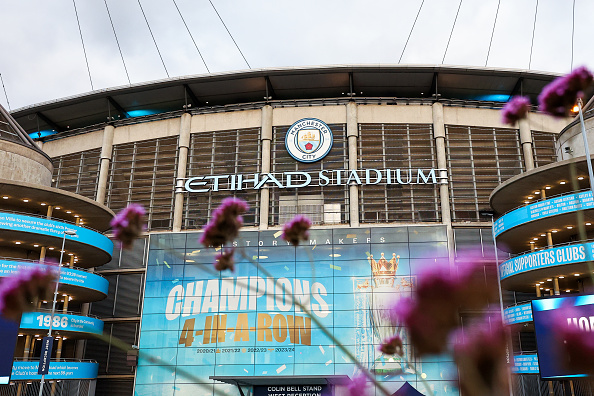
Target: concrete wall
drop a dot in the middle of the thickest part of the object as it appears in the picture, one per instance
(571, 142)
(20, 163)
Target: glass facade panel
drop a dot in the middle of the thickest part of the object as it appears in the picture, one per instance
(397, 146)
(78, 172)
(143, 172)
(479, 159)
(322, 204)
(221, 153)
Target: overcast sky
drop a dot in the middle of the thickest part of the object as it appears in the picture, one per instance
(43, 59)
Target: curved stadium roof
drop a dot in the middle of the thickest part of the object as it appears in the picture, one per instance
(292, 83)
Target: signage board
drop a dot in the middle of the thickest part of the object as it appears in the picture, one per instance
(45, 355)
(9, 331)
(62, 322)
(292, 390)
(518, 314)
(245, 323)
(57, 370)
(525, 364)
(571, 311)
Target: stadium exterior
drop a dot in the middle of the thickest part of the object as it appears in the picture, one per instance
(414, 156)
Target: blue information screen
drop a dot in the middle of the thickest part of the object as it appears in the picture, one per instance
(571, 311)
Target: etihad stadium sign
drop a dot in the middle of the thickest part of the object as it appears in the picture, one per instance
(297, 179)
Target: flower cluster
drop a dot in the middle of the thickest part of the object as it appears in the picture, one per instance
(224, 260)
(128, 224)
(357, 385)
(514, 110)
(225, 222)
(391, 346)
(297, 230)
(433, 313)
(479, 353)
(559, 97)
(19, 293)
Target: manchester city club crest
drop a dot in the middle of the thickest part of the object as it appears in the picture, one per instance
(309, 140)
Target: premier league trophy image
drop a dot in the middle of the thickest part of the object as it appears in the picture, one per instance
(380, 294)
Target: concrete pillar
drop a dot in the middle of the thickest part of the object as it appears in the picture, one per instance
(106, 151)
(183, 145)
(526, 141)
(556, 286)
(543, 194)
(537, 290)
(444, 188)
(352, 129)
(266, 138)
(549, 239)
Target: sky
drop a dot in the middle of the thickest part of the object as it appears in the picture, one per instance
(43, 58)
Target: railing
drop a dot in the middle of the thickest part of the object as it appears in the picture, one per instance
(49, 218)
(542, 200)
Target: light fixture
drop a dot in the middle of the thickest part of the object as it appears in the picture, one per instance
(526, 201)
(531, 241)
(536, 239)
(588, 223)
(543, 234)
(68, 211)
(554, 231)
(567, 291)
(536, 192)
(547, 289)
(4, 197)
(561, 277)
(575, 108)
(57, 207)
(43, 204)
(549, 280)
(17, 242)
(562, 182)
(537, 283)
(547, 187)
(25, 200)
(542, 288)
(76, 216)
(51, 248)
(36, 245)
(71, 254)
(576, 274)
(581, 178)
(530, 197)
(569, 227)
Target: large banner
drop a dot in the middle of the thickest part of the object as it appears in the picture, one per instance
(245, 323)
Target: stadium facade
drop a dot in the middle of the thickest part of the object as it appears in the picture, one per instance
(395, 165)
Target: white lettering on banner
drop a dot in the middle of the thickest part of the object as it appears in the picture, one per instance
(325, 177)
(241, 294)
(555, 256)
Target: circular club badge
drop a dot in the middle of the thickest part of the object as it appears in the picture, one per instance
(309, 140)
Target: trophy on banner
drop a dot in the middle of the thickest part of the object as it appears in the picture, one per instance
(386, 289)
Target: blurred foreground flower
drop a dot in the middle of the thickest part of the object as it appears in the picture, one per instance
(514, 110)
(128, 224)
(432, 314)
(357, 385)
(576, 346)
(480, 353)
(224, 260)
(19, 292)
(392, 346)
(559, 97)
(297, 230)
(225, 222)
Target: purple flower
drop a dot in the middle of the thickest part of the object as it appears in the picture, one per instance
(433, 312)
(357, 385)
(224, 260)
(128, 224)
(560, 96)
(297, 230)
(480, 353)
(575, 346)
(391, 346)
(19, 293)
(225, 223)
(516, 109)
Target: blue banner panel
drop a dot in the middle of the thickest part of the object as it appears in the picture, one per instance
(45, 355)
(571, 311)
(198, 322)
(62, 322)
(518, 314)
(9, 331)
(57, 370)
(542, 209)
(525, 364)
(68, 276)
(41, 226)
(569, 254)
